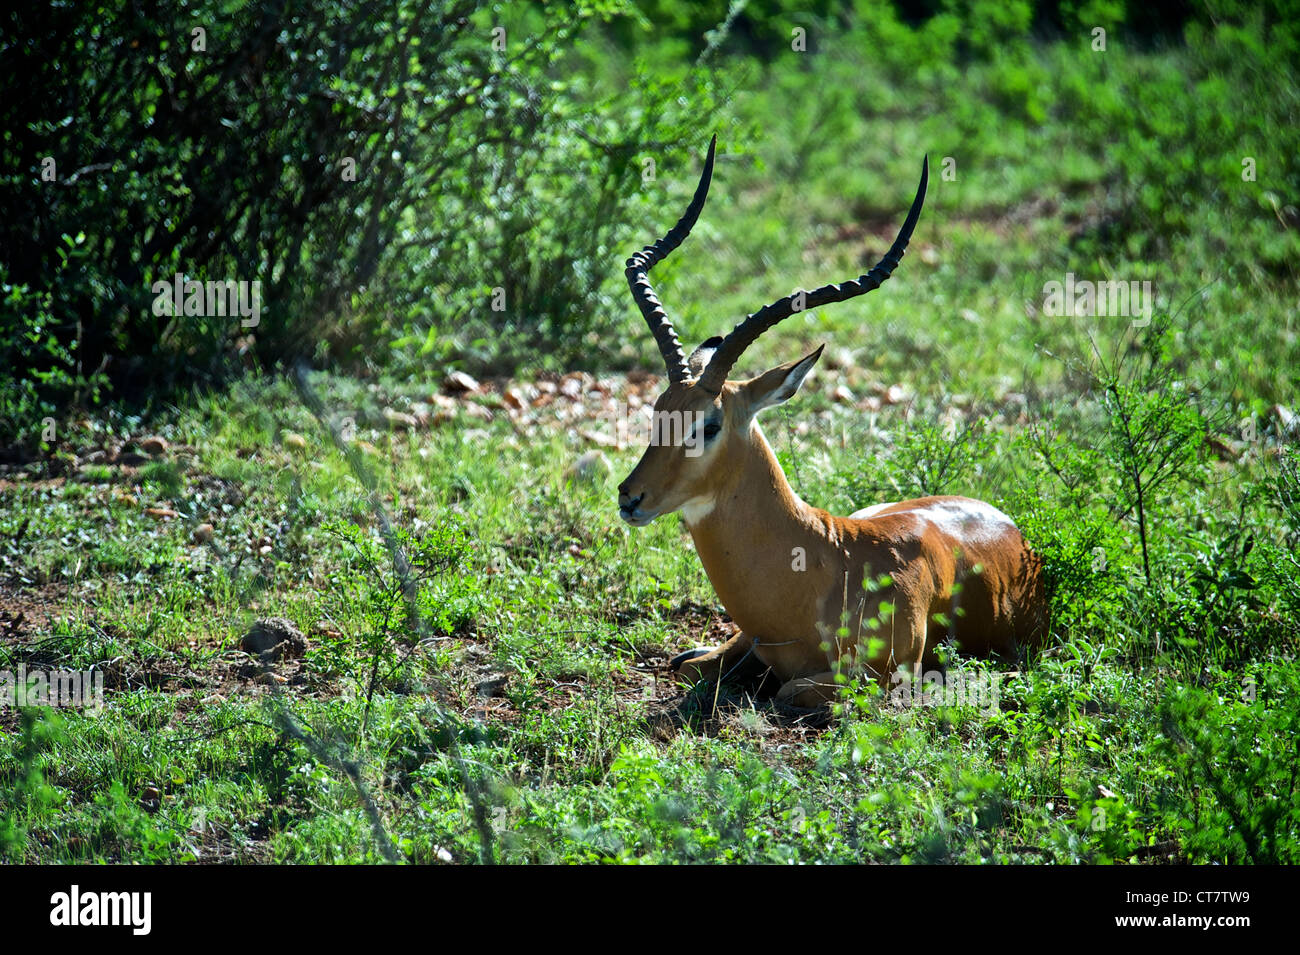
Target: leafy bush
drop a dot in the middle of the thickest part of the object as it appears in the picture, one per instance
(1234, 750)
(382, 174)
(26, 793)
(398, 596)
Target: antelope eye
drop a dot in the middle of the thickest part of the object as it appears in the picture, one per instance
(711, 430)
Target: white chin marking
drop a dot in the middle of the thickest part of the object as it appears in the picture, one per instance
(696, 509)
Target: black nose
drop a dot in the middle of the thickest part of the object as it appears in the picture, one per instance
(625, 500)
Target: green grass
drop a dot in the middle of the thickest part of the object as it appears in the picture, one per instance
(587, 755)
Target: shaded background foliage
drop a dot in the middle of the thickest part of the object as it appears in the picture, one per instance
(476, 169)
(515, 176)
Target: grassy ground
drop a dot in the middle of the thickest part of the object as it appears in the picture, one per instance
(510, 695)
(544, 657)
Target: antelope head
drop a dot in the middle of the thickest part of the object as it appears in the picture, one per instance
(703, 423)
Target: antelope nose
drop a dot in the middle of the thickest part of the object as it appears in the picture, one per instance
(625, 500)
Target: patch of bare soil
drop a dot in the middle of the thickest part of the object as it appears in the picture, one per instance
(196, 675)
(742, 705)
(744, 702)
(209, 673)
(25, 608)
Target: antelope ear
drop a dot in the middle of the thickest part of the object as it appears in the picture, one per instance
(699, 359)
(780, 384)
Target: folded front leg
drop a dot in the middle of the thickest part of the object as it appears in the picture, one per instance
(703, 664)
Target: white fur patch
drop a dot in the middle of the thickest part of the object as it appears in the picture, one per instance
(869, 511)
(697, 508)
(972, 520)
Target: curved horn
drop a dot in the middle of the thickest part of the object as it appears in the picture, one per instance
(638, 280)
(744, 334)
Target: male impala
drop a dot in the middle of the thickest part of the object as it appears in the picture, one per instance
(791, 575)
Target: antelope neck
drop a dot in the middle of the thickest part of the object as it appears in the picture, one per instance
(756, 517)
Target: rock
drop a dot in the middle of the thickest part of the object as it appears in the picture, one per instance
(153, 445)
(842, 394)
(293, 441)
(590, 468)
(150, 799)
(494, 684)
(203, 533)
(274, 638)
(599, 437)
(460, 383)
(1224, 450)
(162, 513)
(1288, 423)
(400, 419)
(892, 395)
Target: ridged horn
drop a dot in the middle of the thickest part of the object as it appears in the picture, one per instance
(638, 275)
(744, 334)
